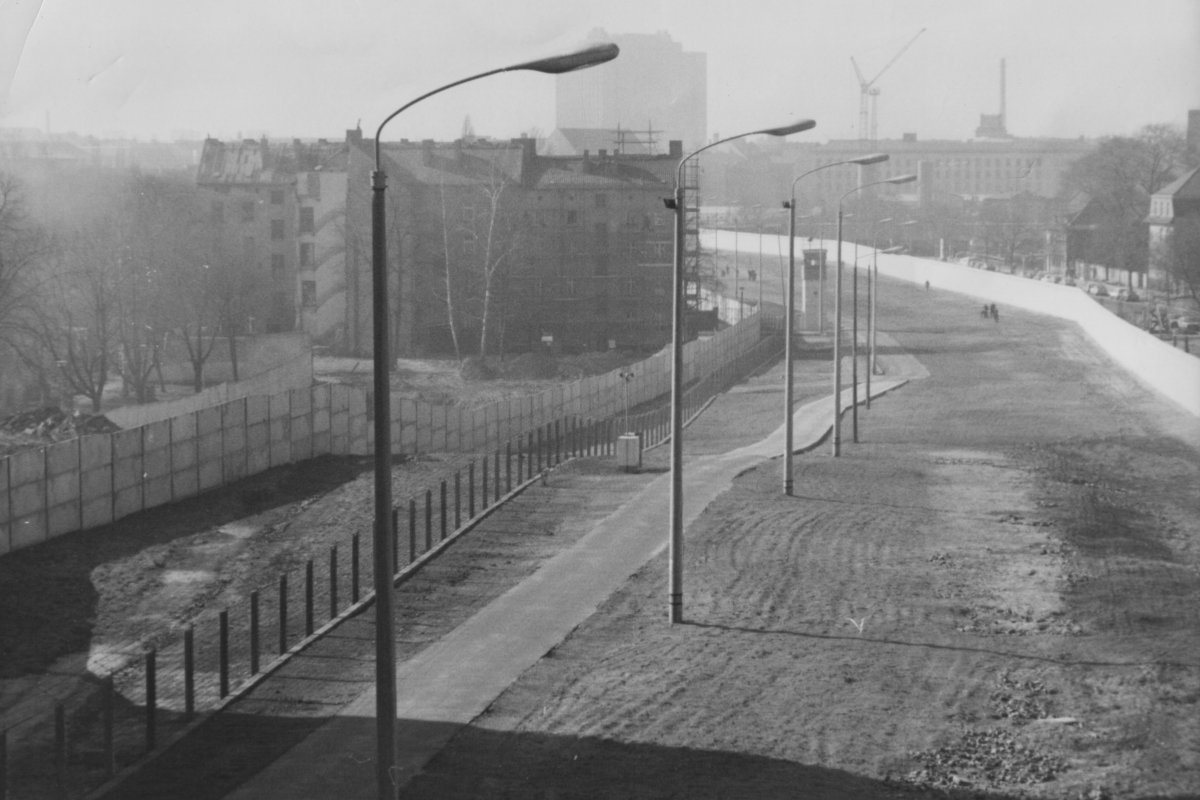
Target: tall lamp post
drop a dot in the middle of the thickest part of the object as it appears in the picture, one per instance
(837, 318)
(872, 288)
(385, 649)
(677, 204)
(872, 291)
(788, 401)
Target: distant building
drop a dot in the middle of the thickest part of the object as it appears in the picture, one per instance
(655, 91)
(1171, 207)
(582, 246)
(971, 170)
(282, 206)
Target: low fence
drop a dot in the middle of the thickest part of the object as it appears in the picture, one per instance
(145, 699)
(149, 697)
(93, 480)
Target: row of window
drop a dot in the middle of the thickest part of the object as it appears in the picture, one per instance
(307, 219)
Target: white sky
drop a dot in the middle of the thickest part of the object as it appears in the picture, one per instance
(312, 68)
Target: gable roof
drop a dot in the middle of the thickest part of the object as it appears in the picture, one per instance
(1185, 187)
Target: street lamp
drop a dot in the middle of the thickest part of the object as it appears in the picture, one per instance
(385, 649)
(788, 402)
(872, 291)
(676, 203)
(837, 319)
(870, 313)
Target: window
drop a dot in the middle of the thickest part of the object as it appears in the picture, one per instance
(306, 254)
(308, 293)
(277, 197)
(248, 211)
(277, 229)
(306, 220)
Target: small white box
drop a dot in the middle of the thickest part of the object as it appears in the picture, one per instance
(629, 451)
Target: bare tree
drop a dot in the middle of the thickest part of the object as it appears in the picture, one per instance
(499, 240)
(23, 248)
(479, 237)
(448, 264)
(77, 321)
(1119, 176)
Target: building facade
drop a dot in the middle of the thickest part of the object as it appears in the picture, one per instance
(280, 205)
(973, 170)
(491, 245)
(1174, 216)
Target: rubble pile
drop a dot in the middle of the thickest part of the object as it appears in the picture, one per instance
(983, 759)
(53, 424)
(1019, 701)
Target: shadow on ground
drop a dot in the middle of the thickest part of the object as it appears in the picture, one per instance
(46, 593)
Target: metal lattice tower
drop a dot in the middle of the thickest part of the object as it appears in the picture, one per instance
(691, 235)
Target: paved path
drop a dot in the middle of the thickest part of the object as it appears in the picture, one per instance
(451, 682)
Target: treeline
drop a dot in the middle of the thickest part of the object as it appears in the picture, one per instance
(101, 270)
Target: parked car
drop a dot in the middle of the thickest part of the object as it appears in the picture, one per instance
(1186, 324)
(1098, 289)
(1127, 294)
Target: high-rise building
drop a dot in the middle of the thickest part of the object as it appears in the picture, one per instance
(654, 93)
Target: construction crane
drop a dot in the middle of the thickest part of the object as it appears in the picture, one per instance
(868, 120)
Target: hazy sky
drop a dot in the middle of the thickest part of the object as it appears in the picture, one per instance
(307, 68)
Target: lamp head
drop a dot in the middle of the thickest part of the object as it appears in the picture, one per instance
(580, 59)
(901, 179)
(787, 130)
(872, 158)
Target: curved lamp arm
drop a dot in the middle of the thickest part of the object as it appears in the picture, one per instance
(555, 65)
(873, 158)
(795, 127)
(909, 178)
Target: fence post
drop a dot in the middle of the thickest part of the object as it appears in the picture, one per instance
(484, 499)
(529, 461)
(3, 765)
(308, 598)
(471, 490)
(442, 503)
(457, 499)
(412, 529)
(254, 633)
(151, 699)
(60, 746)
(333, 577)
(354, 545)
(428, 520)
(110, 752)
(395, 540)
(283, 612)
(496, 476)
(508, 466)
(558, 441)
(539, 450)
(189, 673)
(224, 652)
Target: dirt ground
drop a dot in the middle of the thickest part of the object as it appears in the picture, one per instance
(996, 593)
